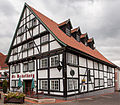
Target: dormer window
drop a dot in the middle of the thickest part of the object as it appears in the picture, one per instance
(66, 27)
(68, 31)
(78, 38)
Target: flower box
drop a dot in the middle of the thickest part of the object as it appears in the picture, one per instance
(14, 100)
(16, 97)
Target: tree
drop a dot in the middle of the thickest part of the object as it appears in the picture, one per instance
(4, 86)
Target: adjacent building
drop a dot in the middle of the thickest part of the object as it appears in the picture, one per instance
(62, 60)
(4, 70)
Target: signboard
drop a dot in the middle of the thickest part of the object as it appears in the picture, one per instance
(23, 76)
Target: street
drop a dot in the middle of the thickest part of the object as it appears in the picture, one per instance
(111, 99)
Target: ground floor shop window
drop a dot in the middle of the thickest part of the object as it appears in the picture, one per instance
(54, 84)
(72, 84)
(13, 84)
(44, 84)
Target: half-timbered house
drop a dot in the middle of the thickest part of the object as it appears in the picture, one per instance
(62, 60)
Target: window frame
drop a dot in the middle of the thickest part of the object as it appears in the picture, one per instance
(53, 85)
(41, 63)
(25, 63)
(55, 61)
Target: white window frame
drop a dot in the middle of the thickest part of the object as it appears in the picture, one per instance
(25, 69)
(17, 68)
(31, 62)
(68, 31)
(15, 51)
(44, 38)
(13, 83)
(72, 59)
(72, 84)
(54, 61)
(24, 46)
(54, 86)
(44, 84)
(44, 63)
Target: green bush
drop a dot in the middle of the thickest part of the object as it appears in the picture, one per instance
(4, 86)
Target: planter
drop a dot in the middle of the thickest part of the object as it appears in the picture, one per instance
(14, 100)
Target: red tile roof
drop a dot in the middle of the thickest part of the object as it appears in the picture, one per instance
(83, 35)
(74, 30)
(90, 40)
(69, 41)
(3, 65)
(63, 23)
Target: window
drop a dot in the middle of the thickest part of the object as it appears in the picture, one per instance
(15, 51)
(68, 31)
(12, 68)
(54, 85)
(31, 65)
(69, 58)
(34, 22)
(96, 82)
(44, 63)
(101, 82)
(75, 59)
(44, 38)
(109, 82)
(25, 67)
(54, 61)
(72, 59)
(17, 83)
(12, 83)
(24, 46)
(18, 68)
(78, 38)
(30, 44)
(44, 84)
(72, 84)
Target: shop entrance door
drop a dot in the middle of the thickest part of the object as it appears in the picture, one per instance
(28, 86)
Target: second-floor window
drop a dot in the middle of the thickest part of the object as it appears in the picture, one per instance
(44, 63)
(17, 69)
(54, 61)
(72, 59)
(25, 66)
(31, 66)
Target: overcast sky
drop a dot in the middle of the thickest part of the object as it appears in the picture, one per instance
(99, 18)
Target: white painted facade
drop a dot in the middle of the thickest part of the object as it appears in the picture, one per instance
(35, 54)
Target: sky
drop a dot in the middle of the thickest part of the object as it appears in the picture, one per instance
(99, 18)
